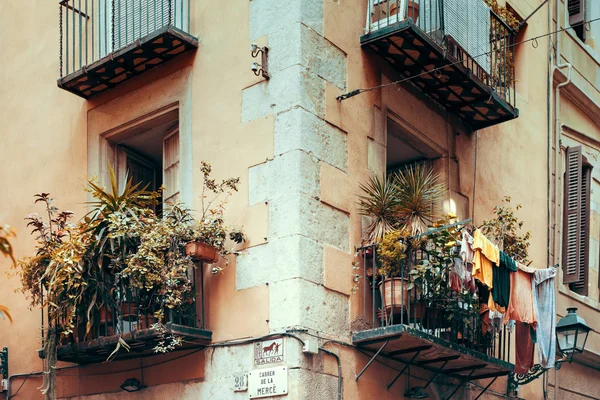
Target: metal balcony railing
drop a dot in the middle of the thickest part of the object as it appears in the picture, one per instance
(92, 29)
(130, 314)
(468, 30)
(432, 307)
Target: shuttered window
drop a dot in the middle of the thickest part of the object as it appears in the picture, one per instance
(576, 10)
(171, 167)
(576, 221)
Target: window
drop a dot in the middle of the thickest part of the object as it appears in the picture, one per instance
(151, 158)
(576, 221)
(576, 10)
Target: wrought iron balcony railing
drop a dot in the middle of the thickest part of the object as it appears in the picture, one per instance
(457, 51)
(105, 42)
(428, 322)
(130, 315)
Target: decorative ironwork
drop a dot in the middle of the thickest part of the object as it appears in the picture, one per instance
(4, 363)
(463, 63)
(516, 380)
(118, 40)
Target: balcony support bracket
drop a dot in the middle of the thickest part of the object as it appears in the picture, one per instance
(486, 388)
(463, 381)
(403, 369)
(371, 360)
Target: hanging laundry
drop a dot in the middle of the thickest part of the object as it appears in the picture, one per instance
(466, 247)
(524, 348)
(544, 300)
(526, 268)
(520, 305)
(458, 276)
(467, 253)
(486, 254)
(501, 289)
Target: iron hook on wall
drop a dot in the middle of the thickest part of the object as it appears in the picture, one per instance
(263, 68)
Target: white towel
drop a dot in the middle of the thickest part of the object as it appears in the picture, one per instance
(545, 307)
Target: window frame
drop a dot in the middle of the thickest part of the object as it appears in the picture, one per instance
(576, 220)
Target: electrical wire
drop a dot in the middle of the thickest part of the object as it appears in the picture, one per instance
(20, 387)
(363, 90)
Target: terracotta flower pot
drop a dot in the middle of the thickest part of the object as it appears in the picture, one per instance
(394, 294)
(203, 252)
(146, 321)
(412, 12)
(129, 310)
(106, 315)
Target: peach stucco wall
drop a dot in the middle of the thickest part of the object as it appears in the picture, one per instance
(49, 138)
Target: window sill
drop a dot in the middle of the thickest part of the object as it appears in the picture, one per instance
(591, 52)
(579, 298)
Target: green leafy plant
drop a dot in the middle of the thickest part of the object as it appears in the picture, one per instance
(419, 193)
(391, 253)
(506, 230)
(379, 201)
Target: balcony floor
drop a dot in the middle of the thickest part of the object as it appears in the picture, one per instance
(142, 343)
(133, 59)
(412, 53)
(403, 343)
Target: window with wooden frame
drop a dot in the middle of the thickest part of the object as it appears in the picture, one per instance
(576, 221)
(151, 158)
(577, 13)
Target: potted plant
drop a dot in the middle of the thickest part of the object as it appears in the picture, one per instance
(208, 236)
(412, 9)
(391, 254)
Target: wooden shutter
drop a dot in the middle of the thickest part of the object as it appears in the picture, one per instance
(576, 9)
(171, 167)
(572, 215)
(581, 286)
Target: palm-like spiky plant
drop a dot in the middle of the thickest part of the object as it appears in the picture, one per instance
(379, 202)
(419, 193)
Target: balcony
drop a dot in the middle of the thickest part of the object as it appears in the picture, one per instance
(130, 317)
(106, 42)
(457, 52)
(426, 323)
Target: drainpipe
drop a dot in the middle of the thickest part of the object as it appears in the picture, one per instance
(557, 130)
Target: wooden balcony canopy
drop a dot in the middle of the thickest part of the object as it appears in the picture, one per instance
(479, 98)
(152, 50)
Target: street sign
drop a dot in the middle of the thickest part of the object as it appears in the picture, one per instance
(268, 382)
(268, 351)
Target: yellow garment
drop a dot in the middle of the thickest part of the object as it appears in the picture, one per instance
(486, 255)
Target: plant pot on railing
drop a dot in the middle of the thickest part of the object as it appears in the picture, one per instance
(129, 311)
(394, 295)
(202, 252)
(412, 11)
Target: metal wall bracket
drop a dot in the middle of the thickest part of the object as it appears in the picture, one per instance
(516, 380)
(371, 360)
(263, 68)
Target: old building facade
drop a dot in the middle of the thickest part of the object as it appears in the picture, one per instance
(165, 84)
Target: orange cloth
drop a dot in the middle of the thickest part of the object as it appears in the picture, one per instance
(494, 307)
(486, 255)
(520, 306)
